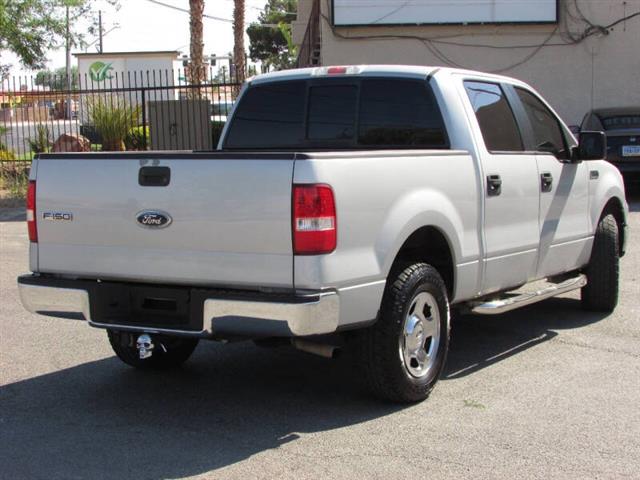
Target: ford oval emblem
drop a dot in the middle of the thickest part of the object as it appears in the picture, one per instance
(153, 219)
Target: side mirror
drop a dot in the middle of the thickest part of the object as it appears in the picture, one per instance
(592, 146)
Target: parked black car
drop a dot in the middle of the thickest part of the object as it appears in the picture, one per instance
(622, 127)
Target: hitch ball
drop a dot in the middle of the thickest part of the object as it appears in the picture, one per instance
(145, 346)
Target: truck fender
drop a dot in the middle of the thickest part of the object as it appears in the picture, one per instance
(421, 208)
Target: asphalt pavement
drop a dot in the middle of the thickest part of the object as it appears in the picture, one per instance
(548, 391)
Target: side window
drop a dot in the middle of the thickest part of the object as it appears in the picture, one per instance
(547, 134)
(399, 113)
(269, 116)
(332, 112)
(495, 117)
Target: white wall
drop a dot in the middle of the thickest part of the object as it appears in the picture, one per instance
(130, 72)
(602, 71)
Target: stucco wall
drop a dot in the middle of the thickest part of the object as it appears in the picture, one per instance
(601, 71)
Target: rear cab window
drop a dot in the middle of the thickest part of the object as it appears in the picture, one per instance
(341, 113)
(269, 116)
(332, 113)
(400, 114)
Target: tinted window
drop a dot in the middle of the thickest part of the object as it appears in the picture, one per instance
(332, 112)
(495, 117)
(621, 122)
(547, 134)
(399, 113)
(269, 116)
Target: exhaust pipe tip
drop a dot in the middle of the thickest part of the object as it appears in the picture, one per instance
(320, 349)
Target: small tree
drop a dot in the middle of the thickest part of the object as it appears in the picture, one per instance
(30, 28)
(270, 39)
(57, 79)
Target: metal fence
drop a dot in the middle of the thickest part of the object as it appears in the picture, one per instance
(135, 110)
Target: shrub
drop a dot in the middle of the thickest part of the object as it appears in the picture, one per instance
(113, 120)
(41, 143)
(135, 139)
(7, 155)
(14, 175)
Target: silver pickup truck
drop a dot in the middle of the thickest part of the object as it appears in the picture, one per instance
(345, 207)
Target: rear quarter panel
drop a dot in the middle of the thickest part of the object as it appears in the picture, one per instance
(382, 197)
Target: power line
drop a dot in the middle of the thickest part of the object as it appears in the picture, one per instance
(184, 10)
(251, 6)
(431, 43)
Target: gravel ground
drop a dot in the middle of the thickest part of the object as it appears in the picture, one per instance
(544, 392)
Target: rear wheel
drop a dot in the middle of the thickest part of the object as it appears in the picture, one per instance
(168, 352)
(601, 291)
(403, 354)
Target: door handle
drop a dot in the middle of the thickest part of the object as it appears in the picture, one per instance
(494, 185)
(154, 176)
(546, 182)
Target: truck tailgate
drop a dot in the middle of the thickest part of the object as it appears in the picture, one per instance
(230, 218)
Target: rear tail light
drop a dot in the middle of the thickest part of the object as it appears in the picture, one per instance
(314, 220)
(31, 212)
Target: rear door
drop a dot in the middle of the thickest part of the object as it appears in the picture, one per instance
(219, 219)
(511, 190)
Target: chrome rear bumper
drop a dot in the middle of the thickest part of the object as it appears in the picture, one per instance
(315, 313)
(65, 302)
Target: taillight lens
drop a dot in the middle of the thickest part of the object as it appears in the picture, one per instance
(31, 212)
(314, 220)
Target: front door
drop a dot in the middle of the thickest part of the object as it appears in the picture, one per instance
(564, 220)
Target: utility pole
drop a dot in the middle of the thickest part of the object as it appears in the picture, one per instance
(100, 30)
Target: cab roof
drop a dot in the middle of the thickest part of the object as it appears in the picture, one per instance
(411, 71)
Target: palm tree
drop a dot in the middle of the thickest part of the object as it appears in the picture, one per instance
(197, 69)
(238, 39)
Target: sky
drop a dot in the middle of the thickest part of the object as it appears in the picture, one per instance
(146, 26)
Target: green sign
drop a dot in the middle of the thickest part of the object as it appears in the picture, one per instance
(99, 72)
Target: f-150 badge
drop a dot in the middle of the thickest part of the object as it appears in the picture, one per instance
(153, 219)
(57, 216)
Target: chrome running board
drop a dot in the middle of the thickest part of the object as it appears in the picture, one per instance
(501, 305)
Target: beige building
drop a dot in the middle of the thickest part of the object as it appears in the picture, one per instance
(580, 54)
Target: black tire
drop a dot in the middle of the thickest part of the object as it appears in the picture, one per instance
(178, 350)
(379, 348)
(601, 292)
